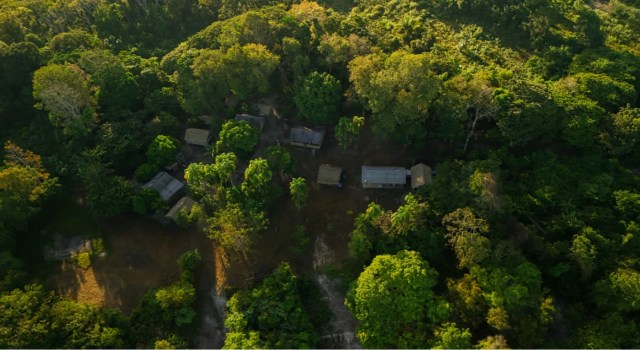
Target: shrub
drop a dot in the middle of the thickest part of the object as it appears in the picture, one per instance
(82, 260)
(300, 239)
(146, 171)
(189, 260)
(147, 201)
(162, 150)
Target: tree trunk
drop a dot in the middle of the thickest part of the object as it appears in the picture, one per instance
(473, 128)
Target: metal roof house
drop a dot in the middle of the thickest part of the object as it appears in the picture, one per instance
(421, 175)
(185, 203)
(305, 137)
(383, 176)
(330, 175)
(257, 122)
(198, 137)
(166, 185)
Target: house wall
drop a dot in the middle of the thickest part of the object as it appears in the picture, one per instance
(304, 145)
(374, 185)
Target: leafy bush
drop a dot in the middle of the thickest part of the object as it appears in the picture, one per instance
(98, 247)
(110, 196)
(237, 137)
(146, 171)
(300, 240)
(82, 260)
(319, 98)
(188, 262)
(147, 201)
(162, 150)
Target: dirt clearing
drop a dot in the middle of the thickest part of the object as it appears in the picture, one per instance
(142, 255)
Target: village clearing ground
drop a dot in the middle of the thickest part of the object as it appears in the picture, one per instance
(142, 255)
(143, 252)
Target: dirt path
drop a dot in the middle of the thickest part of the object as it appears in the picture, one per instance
(342, 327)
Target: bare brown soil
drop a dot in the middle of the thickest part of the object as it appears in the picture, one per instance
(143, 256)
(330, 210)
(143, 252)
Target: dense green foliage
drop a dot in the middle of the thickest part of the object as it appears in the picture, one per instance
(34, 318)
(399, 285)
(299, 191)
(270, 315)
(527, 237)
(237, 137)
(319, 98)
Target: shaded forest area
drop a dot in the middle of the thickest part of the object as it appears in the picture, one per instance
(528, 236)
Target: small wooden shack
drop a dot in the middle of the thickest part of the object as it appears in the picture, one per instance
(330, 175)
(197, 137)
(421, 175)
(257, 122)
(65, 247)
(185, 203)
(306, 137)
(383, 177)
(166, 185)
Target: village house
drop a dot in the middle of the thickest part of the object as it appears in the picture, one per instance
(421, 175)
(383, 176)
(166, 185)
(185, 203)
(305, 137)
(257, 122)
(330, 175)
(197, 137)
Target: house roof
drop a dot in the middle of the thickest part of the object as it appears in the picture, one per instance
(199, 137)
(384, 175)
(304, 135)
(257, 122)
(420, 175)
(166, 185)
(329, 174)
(264, 109)
(184, 202)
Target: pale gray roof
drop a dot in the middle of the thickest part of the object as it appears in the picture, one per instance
(264, 109)
(166, 185)
(198, 137)
(420, 175)
(329, 174)
(306, 136)
(384, 175)
(184, 202)
(257, 122)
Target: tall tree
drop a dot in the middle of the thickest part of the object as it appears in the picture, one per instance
(348, 130)
(64, 91)
(237, 137)
(299, 191)
(24, 183)
(319, 97)
(400, 285)
(466, 233)
(400, 90)
(270, 315)
(257, 184)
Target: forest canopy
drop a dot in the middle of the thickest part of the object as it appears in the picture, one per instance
(528, 236)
